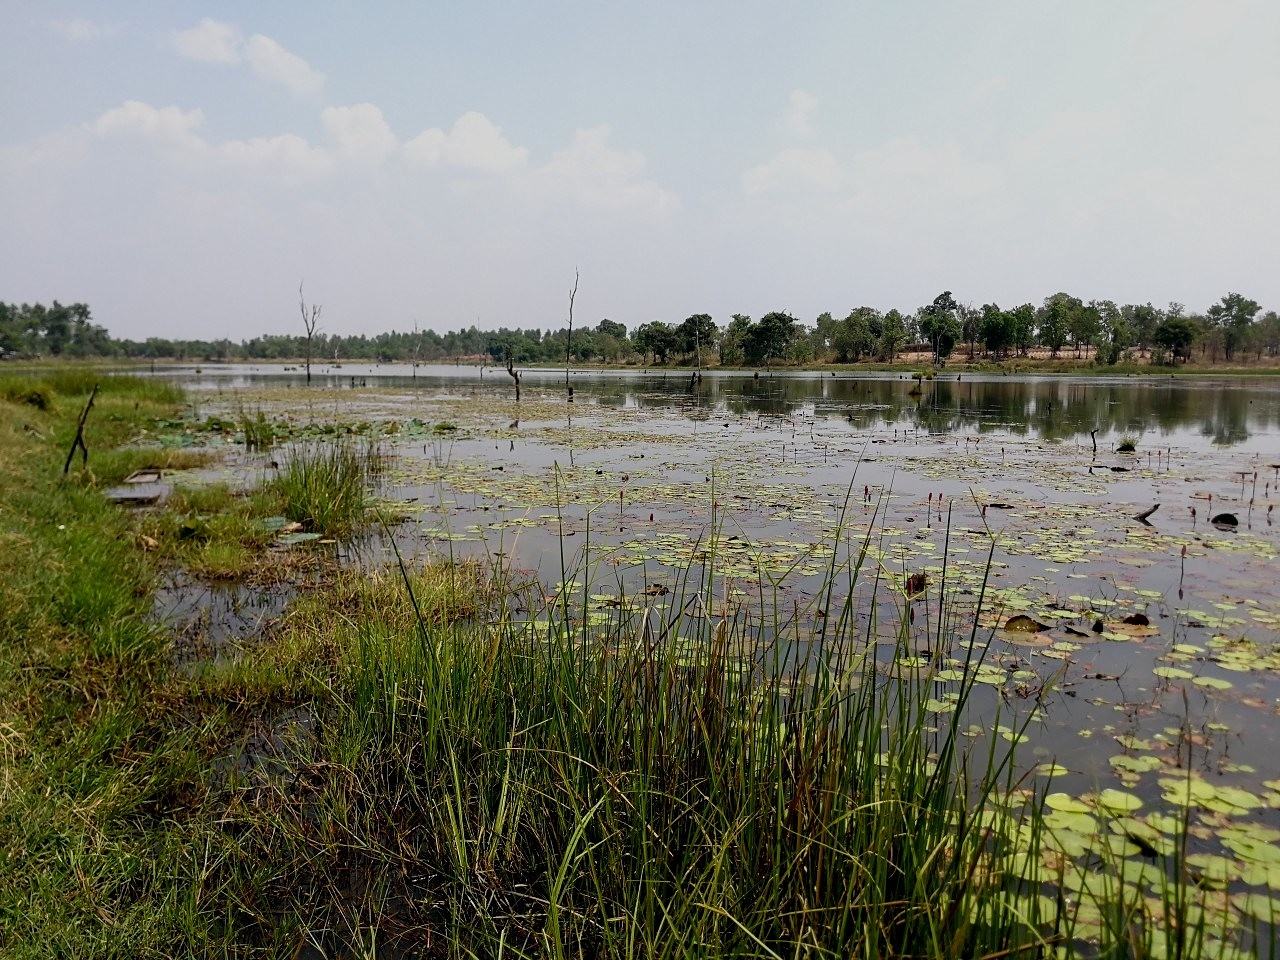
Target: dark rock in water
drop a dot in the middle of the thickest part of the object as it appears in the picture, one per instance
(1138, 620)
(1225, 521)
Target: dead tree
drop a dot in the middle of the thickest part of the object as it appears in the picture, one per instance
(310, 323)
(515, 374)
(568, 341)
(78, 442)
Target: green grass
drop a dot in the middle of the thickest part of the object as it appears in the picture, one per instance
(259, 432)
(325, 486)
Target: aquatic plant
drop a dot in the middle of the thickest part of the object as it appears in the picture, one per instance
(325, 485)
(670, 773)
(259, 432)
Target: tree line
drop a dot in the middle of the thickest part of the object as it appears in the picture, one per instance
(1097, 330)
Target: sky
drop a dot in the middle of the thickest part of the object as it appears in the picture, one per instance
(183, 168)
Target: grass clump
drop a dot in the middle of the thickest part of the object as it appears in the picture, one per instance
(1128, 444)
(27, 391)
(669, 783)
(325, 486)
(259, 432)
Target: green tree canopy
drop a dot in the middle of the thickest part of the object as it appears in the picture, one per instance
(1233, 315)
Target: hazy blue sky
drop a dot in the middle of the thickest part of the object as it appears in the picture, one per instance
(181, 167)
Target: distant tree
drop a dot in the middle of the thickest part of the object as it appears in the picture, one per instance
(770, 337)
(800, 348)
(609, 328)
(822, 337)
(10, 330)
(997, 329)
(1176, 334)
(1233, 315)
(1054, 320)
(970, 318)
(939, 324)
(732, 349)
(893, 334)
(858, 334)
(310, 323)
(656, 338)
(1085, 326)
(697, 332)
(1267, 339)
(1024, 327)
(1141, 319)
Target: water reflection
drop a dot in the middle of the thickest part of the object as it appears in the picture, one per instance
(1225, 412)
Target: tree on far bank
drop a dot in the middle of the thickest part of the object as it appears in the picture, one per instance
(698, 332)
(770, 337)
(1141, 320)
(939, 324)
(1177, 334)
(970, 318)
(656, 338)
(732, 351)
(997, 330)
(893, 334)
(612, 329)
(1054, 318)
(857, 334)
(1233, 315)
(1267, 334)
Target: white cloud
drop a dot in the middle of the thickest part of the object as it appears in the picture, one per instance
(80, 30)
(1204, 22)
(169, 126)
(177, 134)
(1069, 133)
(474, 143)
(60, 150)
(360, 132)
(213, 41)
(210, 42)
(800, 110)
(905, 179)
(288, 157)
(989, 86)
(795, 167)
(273, 62)
(598, 177)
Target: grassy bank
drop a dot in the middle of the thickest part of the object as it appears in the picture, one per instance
(439, 760)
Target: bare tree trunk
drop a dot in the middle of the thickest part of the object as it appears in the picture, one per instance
(79, 438)
(568, 342)
(310, 323)
(515, 374)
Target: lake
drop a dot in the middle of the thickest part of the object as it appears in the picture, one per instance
(1143, 655)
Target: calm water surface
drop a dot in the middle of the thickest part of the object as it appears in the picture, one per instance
(1158, 642)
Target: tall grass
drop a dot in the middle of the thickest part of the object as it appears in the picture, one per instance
(325, 486)
(691, 779)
